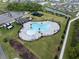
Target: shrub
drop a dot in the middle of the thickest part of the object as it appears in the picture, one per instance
(61, 42)
(59, 48)
(6, 39)
(56, 57)
(63, 36)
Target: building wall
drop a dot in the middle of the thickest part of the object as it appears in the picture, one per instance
(72, 1)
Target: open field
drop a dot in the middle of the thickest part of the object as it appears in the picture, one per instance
(3, 6)
(45, 48)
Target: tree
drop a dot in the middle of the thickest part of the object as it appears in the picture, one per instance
(63, 36)
(61, 42)
(6, 39)
(59, 48)
(30, 6)
(56, 57)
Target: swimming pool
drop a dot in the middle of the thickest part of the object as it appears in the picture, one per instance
(40, 26)
(34, 30)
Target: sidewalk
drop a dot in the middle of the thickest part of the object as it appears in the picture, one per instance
(2, 54)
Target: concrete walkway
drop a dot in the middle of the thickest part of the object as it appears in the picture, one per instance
(66, 37)
(2, 54)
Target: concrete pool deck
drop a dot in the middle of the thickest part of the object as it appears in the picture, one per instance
(34, 30)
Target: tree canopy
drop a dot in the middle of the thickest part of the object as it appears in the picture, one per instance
(30, 6)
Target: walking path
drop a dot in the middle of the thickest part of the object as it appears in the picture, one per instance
(66, 37)
(2, 54)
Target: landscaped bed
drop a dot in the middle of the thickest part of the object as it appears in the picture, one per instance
(45, 48)
(21, 50)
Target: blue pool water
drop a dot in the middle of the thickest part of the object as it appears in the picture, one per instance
(39, 26)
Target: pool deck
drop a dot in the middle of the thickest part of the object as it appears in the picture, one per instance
(34, 30)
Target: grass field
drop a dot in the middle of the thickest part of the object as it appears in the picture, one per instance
(3, 6)
(44, 48)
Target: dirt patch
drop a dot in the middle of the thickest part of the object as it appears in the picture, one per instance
(21, 50)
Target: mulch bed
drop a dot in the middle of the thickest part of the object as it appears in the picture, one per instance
(21, 50)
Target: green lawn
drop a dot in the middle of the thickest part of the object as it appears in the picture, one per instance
(3, 6)
(4, 33)
(44, 48)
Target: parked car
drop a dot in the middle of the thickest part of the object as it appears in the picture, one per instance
(8, 25)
